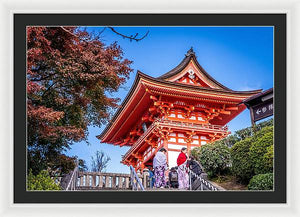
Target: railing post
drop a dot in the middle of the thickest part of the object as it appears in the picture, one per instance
(87, 180)
(100, 181)
(113, 181)
(106, 181)
(93, 180)
(126, 182)
(145, 175)
(81, 180)
(120, 182)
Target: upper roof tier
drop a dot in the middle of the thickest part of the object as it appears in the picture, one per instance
(188, 81)
(191, 72)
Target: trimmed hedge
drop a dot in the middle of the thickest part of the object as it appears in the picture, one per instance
(258, 152)
(261, 182)
(253, 155)
(268, 158)
(241, 161)
(214, 157)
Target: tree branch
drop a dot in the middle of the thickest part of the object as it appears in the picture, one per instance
(46, 91)
(63, 28)
(132, 37)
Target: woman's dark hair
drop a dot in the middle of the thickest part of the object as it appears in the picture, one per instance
(183, 149)
(162, 150)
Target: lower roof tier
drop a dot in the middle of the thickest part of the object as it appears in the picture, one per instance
(164, 130)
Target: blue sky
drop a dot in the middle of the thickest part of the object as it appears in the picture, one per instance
(240, 58)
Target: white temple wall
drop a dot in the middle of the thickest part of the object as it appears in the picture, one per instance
(172, 157)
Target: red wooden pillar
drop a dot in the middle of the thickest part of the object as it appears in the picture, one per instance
(188, 146)
(165, 145)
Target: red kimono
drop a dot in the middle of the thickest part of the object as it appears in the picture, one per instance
(181, 158)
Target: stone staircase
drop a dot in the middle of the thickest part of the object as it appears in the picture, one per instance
(96, 181)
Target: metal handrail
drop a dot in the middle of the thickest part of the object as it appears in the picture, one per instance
(134, 176)
(203, 181)
(73, 180)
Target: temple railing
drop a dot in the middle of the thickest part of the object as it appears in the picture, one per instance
(77, 180)
(97, 180)
(194, 125)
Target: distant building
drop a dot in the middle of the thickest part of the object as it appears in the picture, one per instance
(184, 107)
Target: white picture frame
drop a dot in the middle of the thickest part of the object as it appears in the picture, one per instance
(291, 8)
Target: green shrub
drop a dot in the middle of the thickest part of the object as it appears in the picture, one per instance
(268, 158)
(258, 152)
(214, 157)
(42, 181)
(261, 182)
(254, 154)
(241, 164)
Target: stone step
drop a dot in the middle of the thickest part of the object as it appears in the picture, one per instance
(89, 188)
(97, 188)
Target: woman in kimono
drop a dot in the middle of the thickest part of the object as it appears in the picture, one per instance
(183, 176)
(160, 166)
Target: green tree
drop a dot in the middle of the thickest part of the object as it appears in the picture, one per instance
(244, 133)
(214, 157)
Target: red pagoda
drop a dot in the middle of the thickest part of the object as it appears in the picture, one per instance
(184, 107)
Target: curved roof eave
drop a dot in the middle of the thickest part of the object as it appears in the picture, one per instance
(132, 89)
(140, 75)
(190, 55)
(198, 87)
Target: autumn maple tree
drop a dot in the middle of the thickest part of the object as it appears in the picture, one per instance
(70, 73)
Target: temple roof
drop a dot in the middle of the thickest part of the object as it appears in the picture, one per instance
(138, 98)
(190, 56)
(192, 87)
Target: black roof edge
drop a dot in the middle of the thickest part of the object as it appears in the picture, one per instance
(188, 56)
